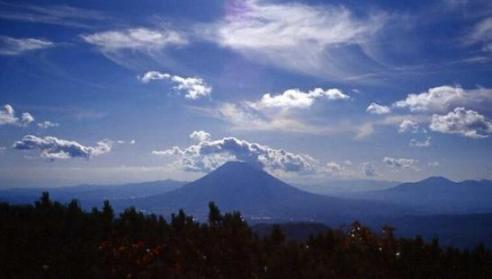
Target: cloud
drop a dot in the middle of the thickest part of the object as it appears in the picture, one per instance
(135, 39)
(417, 143)
(378, 109)
(63, 15)
(364, 131)
(461, 121)
(368, 169)
(47, 124)
(208, 154)
(53, 148)
(194, 87)
(400, 163)
(8, 117)
(293, 36)
(482, 34)
(408, 126)
(200, 136)
(131, 142)
(16, 46)
(333, 168)
(295, 98)
(443, 98)
(433, 164)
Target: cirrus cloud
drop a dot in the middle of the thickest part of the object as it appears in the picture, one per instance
(134, 39)
(293, 36)
(17, 46)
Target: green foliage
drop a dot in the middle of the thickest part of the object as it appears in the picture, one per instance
(52, 240)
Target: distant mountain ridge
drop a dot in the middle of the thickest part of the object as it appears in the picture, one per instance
(259, 196)
(438, 195)
(92, 195)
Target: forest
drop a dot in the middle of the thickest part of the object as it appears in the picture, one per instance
(53, 240)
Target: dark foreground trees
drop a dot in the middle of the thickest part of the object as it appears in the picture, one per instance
(51, 240)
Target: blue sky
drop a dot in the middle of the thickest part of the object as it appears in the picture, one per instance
(94, 92)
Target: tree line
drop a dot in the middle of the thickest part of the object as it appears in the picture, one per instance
(53, 240)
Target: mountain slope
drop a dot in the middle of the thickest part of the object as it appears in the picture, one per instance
(438, 195)
(258, 196)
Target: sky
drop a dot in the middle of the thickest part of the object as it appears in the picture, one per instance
(311, 91)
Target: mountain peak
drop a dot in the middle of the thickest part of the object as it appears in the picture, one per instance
(238, 166)
(436, 179)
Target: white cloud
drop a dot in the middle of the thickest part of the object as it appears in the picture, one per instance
(333, 168)
(135, 39)
(378, 109)
(131, 142)
(209, 154)
(443, 98)
(400, 163)
(13, 46)
(8, 117)
(363, 131)
(53, 148)
(368, 169)
(434, 164)
(417, 143)
(482, 34)
(408, 126)
(292, 35)
(464, 122)
(295, 98)
(47, 124)
(200, 136)
(194, 87)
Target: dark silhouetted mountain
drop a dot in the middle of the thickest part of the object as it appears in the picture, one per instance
(438, 195)
(259, 197)
(91, 195)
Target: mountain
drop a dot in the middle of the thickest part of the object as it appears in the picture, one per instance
(438, 195)
(91, 195)
(259, 197)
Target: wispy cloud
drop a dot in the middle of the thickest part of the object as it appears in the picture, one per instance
(134, 39)
(482, 34)
(17, 46)
(139, 48)
(420, 143)
(50, 14)
(47, 124)
(293, 36)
